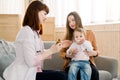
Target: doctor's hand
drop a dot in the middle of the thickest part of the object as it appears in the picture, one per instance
(56, 47)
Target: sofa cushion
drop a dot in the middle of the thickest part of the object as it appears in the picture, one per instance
(1, 78)
(5, 60)
(118, 77)
(104, 75)
(56, 62)
(7, 54)
(109, 64)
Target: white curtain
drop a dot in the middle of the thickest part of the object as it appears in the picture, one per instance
(91, 11)
(11, 6)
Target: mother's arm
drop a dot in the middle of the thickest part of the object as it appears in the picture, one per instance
(65, 44)
(90, 36)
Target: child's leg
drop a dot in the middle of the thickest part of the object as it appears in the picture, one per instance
(73, 70)
(85, 71)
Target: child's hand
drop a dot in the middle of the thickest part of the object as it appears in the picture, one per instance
(73, 52)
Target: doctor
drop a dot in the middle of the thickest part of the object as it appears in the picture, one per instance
(30, 49)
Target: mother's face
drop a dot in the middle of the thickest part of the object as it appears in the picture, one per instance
(71, 22)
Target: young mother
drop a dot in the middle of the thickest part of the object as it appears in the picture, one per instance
(73, 22)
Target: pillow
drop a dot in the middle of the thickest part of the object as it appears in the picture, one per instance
(7, 54)
(5, 61)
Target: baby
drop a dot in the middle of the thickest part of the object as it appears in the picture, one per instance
(79, 52)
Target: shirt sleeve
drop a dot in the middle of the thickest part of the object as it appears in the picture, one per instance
(90, 36)
(25, 46)
(88, 46)
(68, 54)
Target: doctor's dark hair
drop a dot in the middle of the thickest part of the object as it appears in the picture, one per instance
(31, 16)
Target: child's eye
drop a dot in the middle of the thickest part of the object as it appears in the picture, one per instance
(76, 36)
(80, 36)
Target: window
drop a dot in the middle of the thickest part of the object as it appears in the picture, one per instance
(11, 6)
(91, 11)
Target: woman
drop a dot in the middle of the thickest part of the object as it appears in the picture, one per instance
(73, 22)
(30, 51)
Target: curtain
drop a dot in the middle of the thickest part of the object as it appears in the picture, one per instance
(90, 11)
(11, 6)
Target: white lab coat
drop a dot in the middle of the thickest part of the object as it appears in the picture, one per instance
(24, 67)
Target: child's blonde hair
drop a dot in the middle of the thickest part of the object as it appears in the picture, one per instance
(80, 30)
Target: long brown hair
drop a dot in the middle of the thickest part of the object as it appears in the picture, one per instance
(69, 31)
(31, 16)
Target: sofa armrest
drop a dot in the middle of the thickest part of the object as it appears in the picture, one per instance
(118, 77)
(108, 64)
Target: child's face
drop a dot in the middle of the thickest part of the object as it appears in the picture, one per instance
(79, 37)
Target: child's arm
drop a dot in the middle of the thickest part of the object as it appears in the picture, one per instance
(71, 51)
(89, 48)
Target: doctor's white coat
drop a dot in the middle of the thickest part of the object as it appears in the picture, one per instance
(24, 67)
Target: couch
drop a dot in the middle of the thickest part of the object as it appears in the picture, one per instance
(118, 77)
(107, 66)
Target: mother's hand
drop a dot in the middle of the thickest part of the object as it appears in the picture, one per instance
(66, 43)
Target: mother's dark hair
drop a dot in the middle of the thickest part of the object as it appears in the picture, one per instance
(31, 16)
(78, 24)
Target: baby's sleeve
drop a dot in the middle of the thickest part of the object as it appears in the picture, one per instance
(88, 46)
(68, 54)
